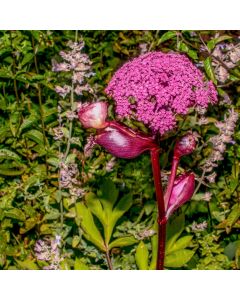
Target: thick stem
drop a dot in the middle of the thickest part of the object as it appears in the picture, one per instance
(161, 208)
(171, 181)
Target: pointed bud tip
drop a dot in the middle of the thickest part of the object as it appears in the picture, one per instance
(93, 115)
(183, 190)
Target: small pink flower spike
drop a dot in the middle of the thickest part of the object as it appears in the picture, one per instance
(93, 115)
(185, 145)
(122, 142)
(182, 191)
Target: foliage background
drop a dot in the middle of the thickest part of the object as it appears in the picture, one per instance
(31, 207)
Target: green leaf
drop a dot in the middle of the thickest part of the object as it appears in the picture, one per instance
(141, 256)
(95, 206)
(111, 218)
(178, 258)
(91, 232)
(166, 36)
(8, 154)
(123, 242)
(209, 70)
(35, 135)
(231, 248)
(213, 42)
(27, 264)
(174, 229)
(79, 265)
(29, 224)
(181, 243)
(233, 217)
(29, 121)
(27, 58)
(109, 194)
(15, 213)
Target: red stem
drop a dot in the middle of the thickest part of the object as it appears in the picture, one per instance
(171, 180)
(161, 208)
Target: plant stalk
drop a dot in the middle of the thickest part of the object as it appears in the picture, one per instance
(168, 193)
(161, 208)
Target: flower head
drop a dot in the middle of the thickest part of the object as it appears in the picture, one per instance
(156, 86)
(93, 115)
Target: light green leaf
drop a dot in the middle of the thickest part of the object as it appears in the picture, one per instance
(166, 36)
(109, 194)
(174, 229)
(123, 242)
(35, 135)
(8, 154)
(95, 206)
(141, 256)
(181, 243)
(213, 42)
(178, 258)
(79, 265)
(209, 70)
(15, 213)
(91, 232)
(27, 264)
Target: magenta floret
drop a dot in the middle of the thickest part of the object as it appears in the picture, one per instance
(156, 86)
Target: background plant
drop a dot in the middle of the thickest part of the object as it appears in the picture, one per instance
(30, 205)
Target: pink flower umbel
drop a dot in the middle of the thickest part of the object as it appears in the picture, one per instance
(156, 86)
(93, 115)
(182, 191)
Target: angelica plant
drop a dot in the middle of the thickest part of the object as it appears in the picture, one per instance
(152, 89)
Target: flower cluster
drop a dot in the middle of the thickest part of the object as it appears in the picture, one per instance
(48, 250)
(219, 141)
(197, 227)
(68, 179)
(80, 66)
(229, 55)
(156, 86)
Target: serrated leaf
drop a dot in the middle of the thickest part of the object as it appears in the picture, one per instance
(91, 232)
(15, 213)
(209, 70)
(29, 121)
(166, 36)
(123, 242)
(79, 265)
(141, 256)
(27, 264)
(178, 258)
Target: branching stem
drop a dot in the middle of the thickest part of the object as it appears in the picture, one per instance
(161, 208)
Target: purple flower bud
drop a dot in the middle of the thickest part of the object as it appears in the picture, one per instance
(186, 145)
(93, 115)
(182, 192)
(123, 142)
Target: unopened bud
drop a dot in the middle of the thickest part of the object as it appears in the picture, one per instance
(93, 115)
(185, 145)
(182, 191)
